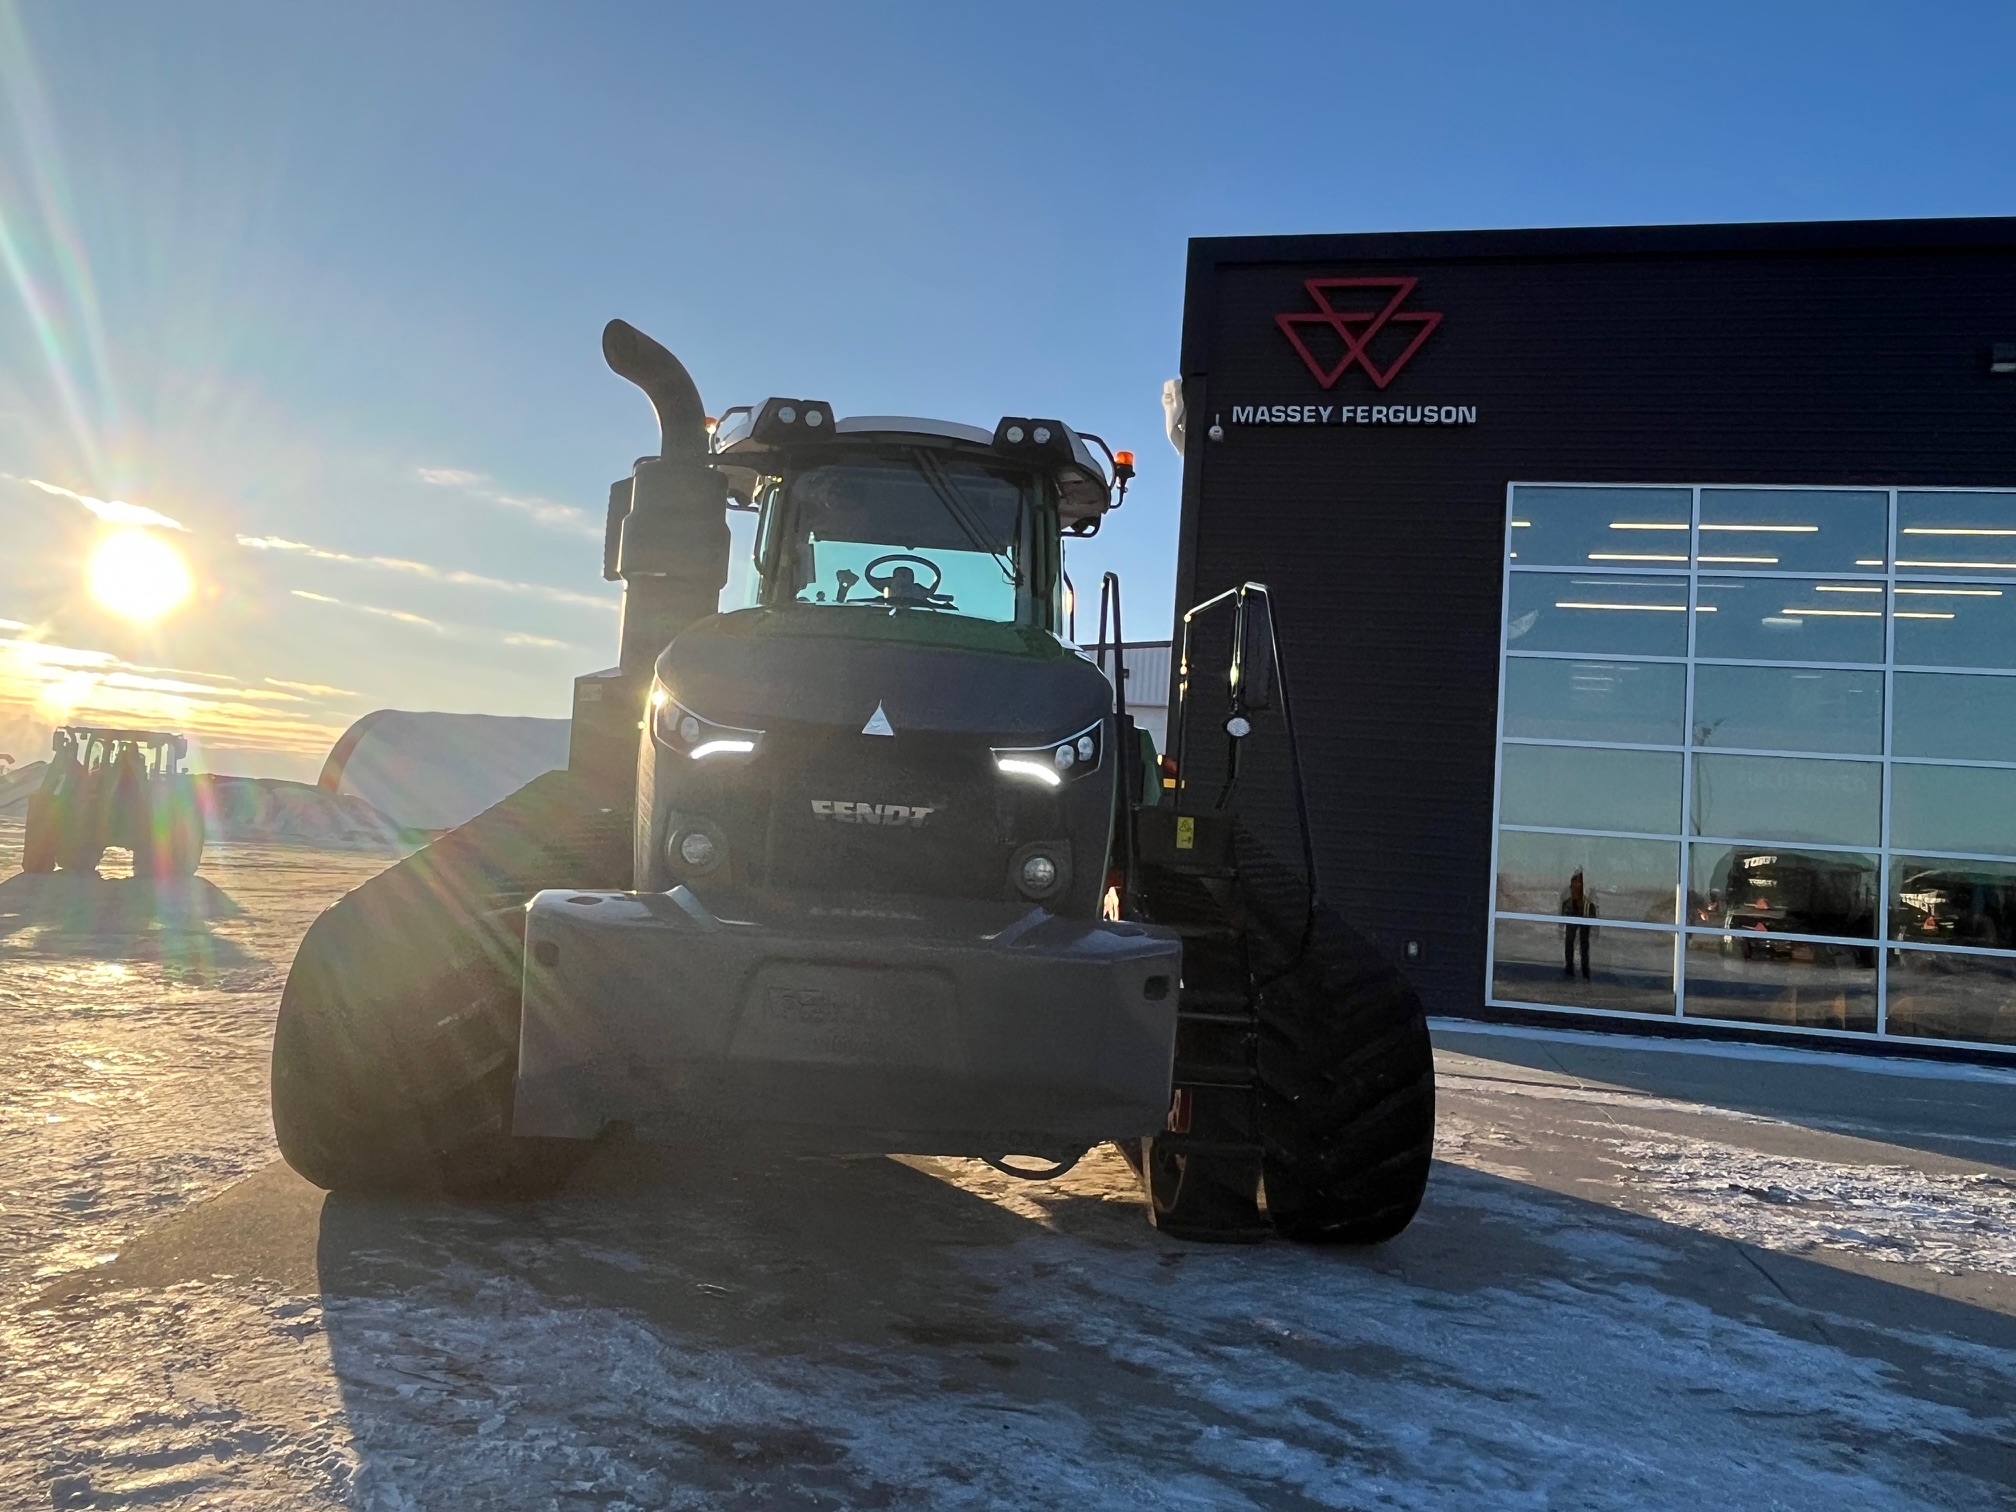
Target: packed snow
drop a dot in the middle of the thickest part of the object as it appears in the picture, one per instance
(185, 1323)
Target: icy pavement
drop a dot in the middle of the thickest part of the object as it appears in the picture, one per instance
(1585, 1315)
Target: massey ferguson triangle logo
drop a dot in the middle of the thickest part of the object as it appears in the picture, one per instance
(1357, 329)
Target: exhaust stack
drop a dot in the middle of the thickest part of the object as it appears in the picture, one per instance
(682, 422)
(667, 541)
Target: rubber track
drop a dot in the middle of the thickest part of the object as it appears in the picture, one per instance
(395, 1053)
(1346, 1071)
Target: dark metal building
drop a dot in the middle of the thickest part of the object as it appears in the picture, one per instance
(1649, 596)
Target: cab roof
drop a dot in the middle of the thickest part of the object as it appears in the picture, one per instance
(759, 439)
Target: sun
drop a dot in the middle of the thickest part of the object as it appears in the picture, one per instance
(139, 576)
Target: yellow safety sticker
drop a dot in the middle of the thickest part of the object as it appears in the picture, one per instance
(1186, 834)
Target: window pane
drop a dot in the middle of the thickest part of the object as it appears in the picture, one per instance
(1789, 709)
(1954, 715)
(1784, 798)
(1791, 982)
(1624, 970)
(1817, 530)
(1761, 890)
(1569, 787)
(1934, 995)
(1953, 808)
(1642, 703)
(1571, 527)
(1789, 619)
(1956, 626)
(1621, 879)
(1560, 611)
(1953, 902)
(1957, 533)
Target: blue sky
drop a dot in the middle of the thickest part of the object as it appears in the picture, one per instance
(333, 275)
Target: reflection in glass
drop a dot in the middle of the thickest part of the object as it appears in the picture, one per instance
(1953, 808)
(1812, 530)
(1795, 983)
(1970, 625)
(1787, 798)
(1941, 995)
(1573, 527)
(1789, 619)
(1621, 879)
(1955, 715)
(1953, 534)
(1773, 890)
(1581, 787)
(1637, 703)
(1789, 709)
(1940, 902)
(1628, 970)
(1562, 611)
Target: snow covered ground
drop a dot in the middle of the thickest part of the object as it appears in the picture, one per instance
(1614, 1298)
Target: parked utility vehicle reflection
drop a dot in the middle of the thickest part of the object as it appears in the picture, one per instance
(1757, 895)
(1955, 906)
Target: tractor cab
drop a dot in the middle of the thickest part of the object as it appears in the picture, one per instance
(907, 515)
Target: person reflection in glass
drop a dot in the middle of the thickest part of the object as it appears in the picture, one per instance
(1576, 903)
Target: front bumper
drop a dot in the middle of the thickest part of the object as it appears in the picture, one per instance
(866, 1023)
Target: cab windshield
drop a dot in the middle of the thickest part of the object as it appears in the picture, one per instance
(911, 531)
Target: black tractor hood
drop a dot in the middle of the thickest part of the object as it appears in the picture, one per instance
(929, 674)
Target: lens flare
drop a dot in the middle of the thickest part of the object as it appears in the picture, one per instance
(139, 576)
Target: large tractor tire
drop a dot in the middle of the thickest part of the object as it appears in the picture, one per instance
(83, 831)
(170, 844)
(1346, 1074)
(395, 1055)
(39, 845)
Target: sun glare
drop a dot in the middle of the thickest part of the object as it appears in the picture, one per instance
(139, 576)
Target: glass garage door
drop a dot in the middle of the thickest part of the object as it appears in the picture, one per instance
(1757, 758)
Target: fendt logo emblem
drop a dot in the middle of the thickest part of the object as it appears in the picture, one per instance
(889, 815)
(1357, 329)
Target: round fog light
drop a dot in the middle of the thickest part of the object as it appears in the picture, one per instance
(1039, 874)
(697, 849)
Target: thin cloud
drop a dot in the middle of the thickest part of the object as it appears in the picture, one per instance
(425, 570)
(400, 615)
(460, 632)
(111, 511)
(72, 684)
(313, 690)
(547, 512)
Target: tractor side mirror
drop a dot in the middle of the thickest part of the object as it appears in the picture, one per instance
(1252, 676)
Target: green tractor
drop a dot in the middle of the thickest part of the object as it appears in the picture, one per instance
(107, 788)
(878, 863)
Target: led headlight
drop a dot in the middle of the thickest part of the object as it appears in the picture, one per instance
(678, 728)
(1054, 765)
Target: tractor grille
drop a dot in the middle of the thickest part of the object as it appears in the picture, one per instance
(882, 814)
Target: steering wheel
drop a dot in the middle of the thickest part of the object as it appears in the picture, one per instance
(915, 594)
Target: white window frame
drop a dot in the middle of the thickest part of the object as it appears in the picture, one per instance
(1883, 851)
